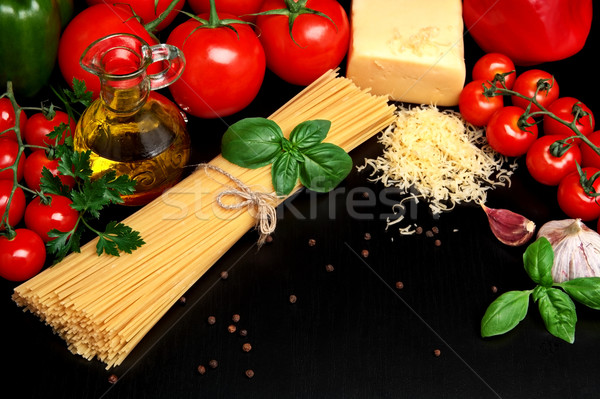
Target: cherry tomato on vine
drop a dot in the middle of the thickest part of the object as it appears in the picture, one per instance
(474, 106)
(22, 256)
(9, 150)
(526, 85)
(574, 201)
(43, 217)
(563, 108)
(88, 26)
(505, 135)
(319, 45)
(547, 168)
(224, 68)
(240, 8)
(33, 170)
(491, 64)
(589, 157)
(17, 204)
(148, 10)
(39, 126)
(8, 119)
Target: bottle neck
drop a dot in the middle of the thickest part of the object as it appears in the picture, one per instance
(125, 96)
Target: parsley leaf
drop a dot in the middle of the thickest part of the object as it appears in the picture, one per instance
(118, 237)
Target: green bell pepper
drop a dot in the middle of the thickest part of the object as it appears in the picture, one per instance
(29, 35)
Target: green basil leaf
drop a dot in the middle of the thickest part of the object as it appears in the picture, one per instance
(558, 312)
(252, 142)
(585, 290)
(310, 133)
(284, 173)
(538, 260)
(505, 313)
(325, 166)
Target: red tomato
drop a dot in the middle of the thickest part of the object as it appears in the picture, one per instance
(8, 119)
(89, 25)
(547, 168)
(588, 156)
(148, 10)
(58, 214)
(491, 64)
(9, 150)
(22, 256)
(563, 108)
(505, 135)
(38, 127)
(574, 201)
(17, 203)
(526, 85)
(240, 8)
(224, 69)
(474, 106)
(319, 44)
(33, 170)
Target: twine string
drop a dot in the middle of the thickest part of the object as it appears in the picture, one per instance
(266, 215)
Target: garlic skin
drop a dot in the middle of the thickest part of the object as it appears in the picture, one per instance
(576, 249)
(509, 227)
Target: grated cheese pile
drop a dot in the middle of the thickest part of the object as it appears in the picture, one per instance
(437, 154)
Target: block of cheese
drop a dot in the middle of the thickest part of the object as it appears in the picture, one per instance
(409, 50)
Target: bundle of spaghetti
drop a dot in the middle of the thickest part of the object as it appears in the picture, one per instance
(103, 306)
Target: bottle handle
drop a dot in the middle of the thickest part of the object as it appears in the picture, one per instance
(173, 62)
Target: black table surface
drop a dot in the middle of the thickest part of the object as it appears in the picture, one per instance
(351, 332)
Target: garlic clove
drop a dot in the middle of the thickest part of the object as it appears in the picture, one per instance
(576, 249)
(509, 227)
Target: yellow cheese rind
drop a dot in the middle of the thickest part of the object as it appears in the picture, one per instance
(411, 51)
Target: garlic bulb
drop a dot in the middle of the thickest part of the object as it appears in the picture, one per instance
(576, 249)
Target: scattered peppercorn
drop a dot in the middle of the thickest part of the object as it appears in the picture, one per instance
(365, 253)
(249, 373)
(367, 236)
(201, 369)
(435, 229)
(231, 328)
(419, 230)
(113, 379)
(293, 298)
(437, 243)
(365, 194)
(269, 238)
(182, 300)
(246, 347)
(212, 320)
(329, 268)
(312, 242)
(243, 333)
(235, 318)
(399, 285)
(224, 274)
(213, 364)
(494, 289)
(437, 353)
(429, 233)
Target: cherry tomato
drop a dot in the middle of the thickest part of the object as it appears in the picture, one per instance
(58, 214)
(574, 201)
(89, 25)
(22, 256)
(491, 64)
(33, 170)
(240, 8)
(148, 10)
(224, 69)
(588, 156)
(526, 85)
(319, 44)
(547, 168)
(474, 106)
(9, 150)
(505, 135)
(39, 126)
(8, 119)
(17, 203)
(563, 108)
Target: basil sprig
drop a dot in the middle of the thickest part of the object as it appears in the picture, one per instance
(554, 299)
(256, 142)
